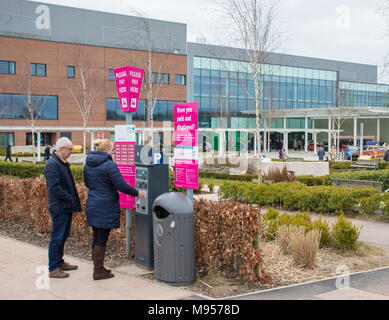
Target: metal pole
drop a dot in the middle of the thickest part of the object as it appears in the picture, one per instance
(128, 211)
(361, 139)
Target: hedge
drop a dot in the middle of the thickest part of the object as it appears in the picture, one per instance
(296, 196)
(225, 232)
(31, 170)
(369, 175)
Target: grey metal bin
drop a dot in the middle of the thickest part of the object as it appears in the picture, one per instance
(174, 249)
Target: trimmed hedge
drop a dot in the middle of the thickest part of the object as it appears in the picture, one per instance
(369, 175)
(30, 170)
(297, 196)
(227, 176)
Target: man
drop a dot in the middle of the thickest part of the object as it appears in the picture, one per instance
(8, 153)
(321, 153)
(63, 201)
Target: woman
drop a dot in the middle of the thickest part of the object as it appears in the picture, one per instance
(103, 179)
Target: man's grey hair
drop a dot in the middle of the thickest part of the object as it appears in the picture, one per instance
(62, 143)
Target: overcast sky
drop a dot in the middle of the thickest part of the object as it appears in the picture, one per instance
(346, 30)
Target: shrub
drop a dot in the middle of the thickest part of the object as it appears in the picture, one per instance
(368, 175)
(225, 235)
(283, 237)
(325, 230)
(345, 234)
(270, 224)
(368, 205)
(297, 196)
(304, 246)
(211, 185)
(277, 175)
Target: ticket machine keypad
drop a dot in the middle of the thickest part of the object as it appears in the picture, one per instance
(141, 183)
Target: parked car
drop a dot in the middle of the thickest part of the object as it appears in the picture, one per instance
(374, 152)
(351, 152)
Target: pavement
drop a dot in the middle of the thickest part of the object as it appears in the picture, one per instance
(24, 276)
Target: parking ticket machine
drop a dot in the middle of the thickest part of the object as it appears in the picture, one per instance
(153, 179)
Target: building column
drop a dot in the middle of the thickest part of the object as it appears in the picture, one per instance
(221, 142)
(286, 141)
(92, 140)
(378, 129)
(314, 143)
(255, 144)
(355, 131)
(38, 136)
(306, 134)
(329, 133)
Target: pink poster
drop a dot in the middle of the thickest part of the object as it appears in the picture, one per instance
(128, 83)
(186, 174)
(125, 158)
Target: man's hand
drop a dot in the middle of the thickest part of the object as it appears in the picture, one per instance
(141, 194)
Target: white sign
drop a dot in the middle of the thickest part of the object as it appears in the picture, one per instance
(191, 153)
(125, 133)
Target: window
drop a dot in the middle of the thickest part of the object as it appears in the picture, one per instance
(180, 79)
(111, 75)
(71, 71)
(38, 69)
(13, 106)
(66, 134)
(161, 78)
(7, 67)
(7, 138)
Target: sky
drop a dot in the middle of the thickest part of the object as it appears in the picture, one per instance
(345, 30)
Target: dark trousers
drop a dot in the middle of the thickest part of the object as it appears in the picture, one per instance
(100, 236)
(8, 157)
(60, 232)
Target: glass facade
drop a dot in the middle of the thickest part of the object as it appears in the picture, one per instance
(225, 89)
(356, 94)
(13, 106)
(163, 110)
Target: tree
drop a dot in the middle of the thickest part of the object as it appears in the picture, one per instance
(155, 65)
(31, 105)
(383, 10)
(85, 89)
(338, 114)
(254, 24)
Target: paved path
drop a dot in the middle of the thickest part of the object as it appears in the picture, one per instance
(22, 276)
(368, 285)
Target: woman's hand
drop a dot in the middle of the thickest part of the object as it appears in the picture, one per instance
(141, 194)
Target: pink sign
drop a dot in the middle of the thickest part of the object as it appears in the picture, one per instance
(125, 158)
(186, 173)
(186, 124)
(128, 84)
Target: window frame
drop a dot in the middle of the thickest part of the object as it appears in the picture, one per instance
(34, 72)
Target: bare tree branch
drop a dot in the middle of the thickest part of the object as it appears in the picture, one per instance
(85, 90)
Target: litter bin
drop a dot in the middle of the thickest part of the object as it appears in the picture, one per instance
(174, 249)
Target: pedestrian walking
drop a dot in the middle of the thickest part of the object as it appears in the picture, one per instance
(8, 153)
(63, 201)
(321, 153)
(386, 156)
(47, 153)
(103, 179)
(282, 153)
(295, 145)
